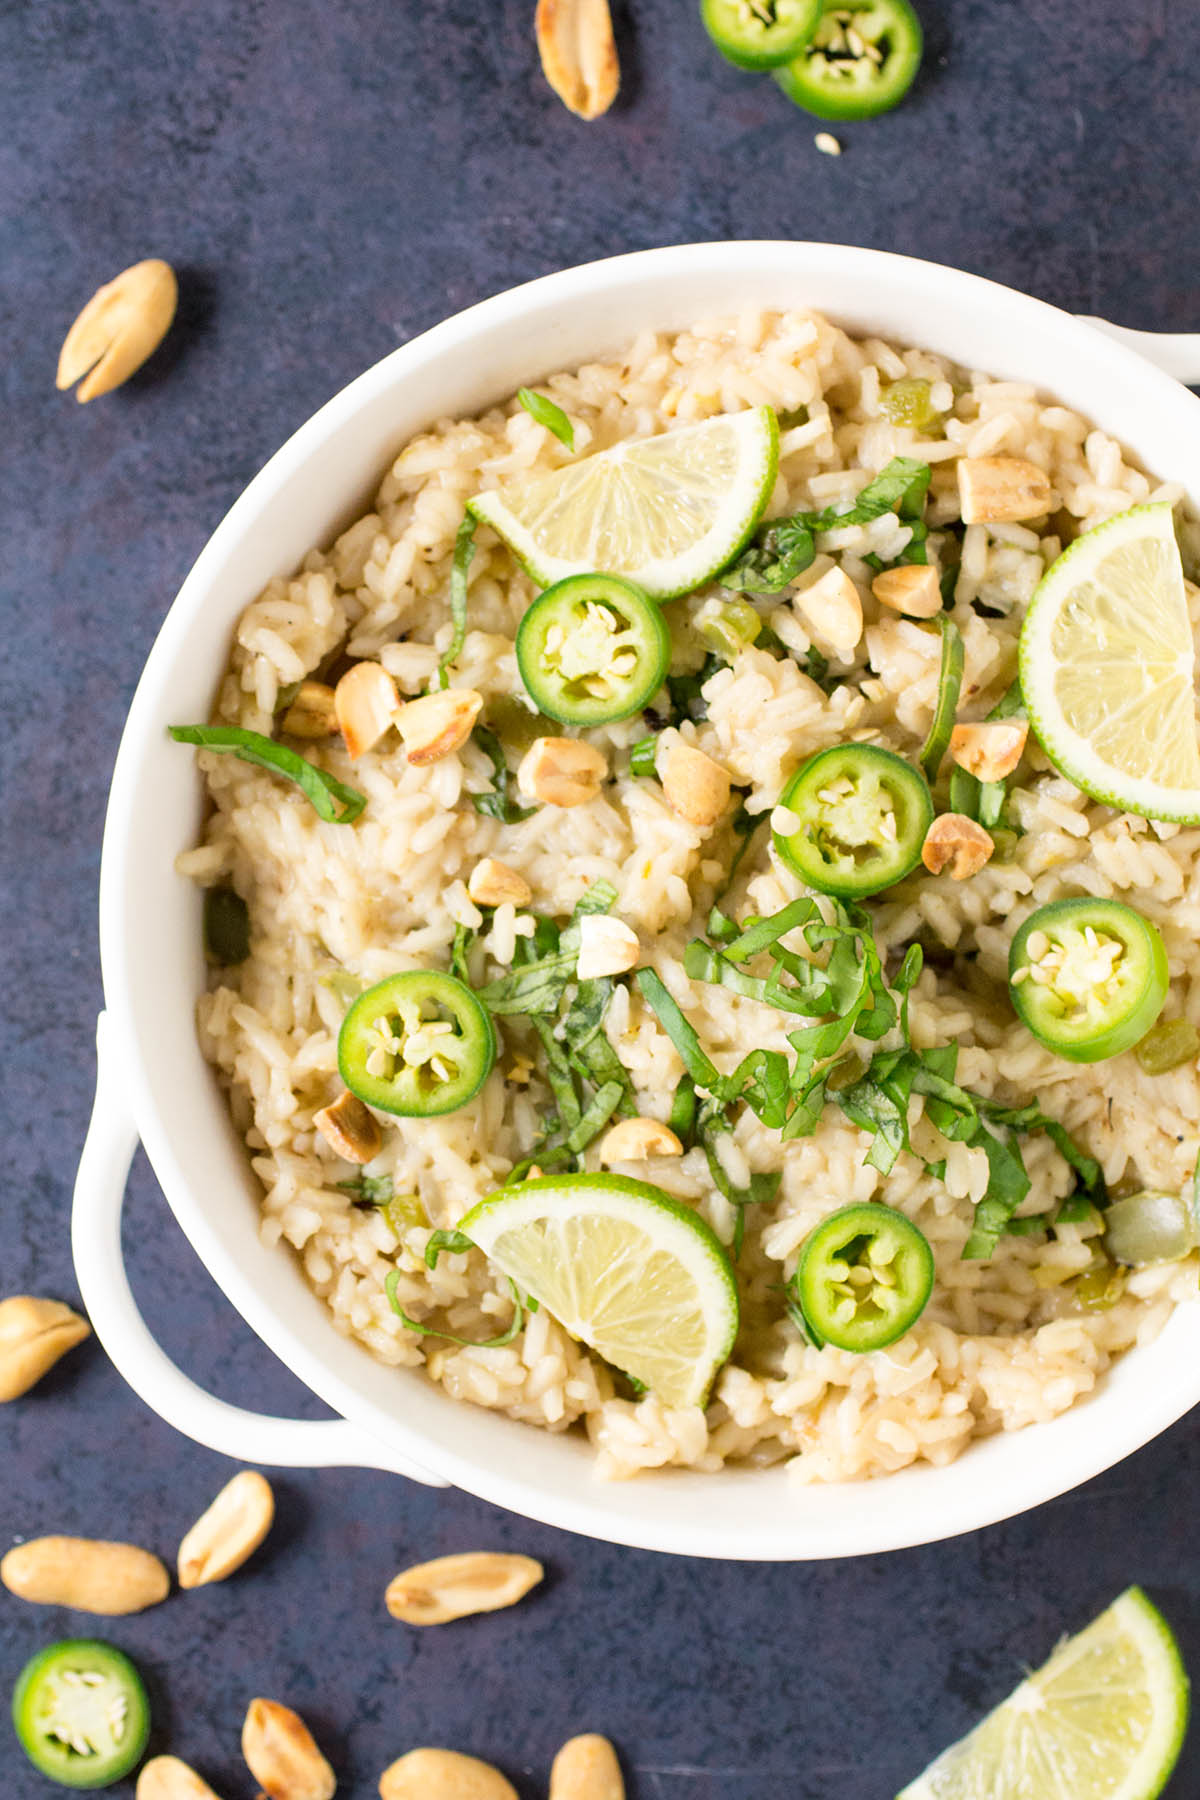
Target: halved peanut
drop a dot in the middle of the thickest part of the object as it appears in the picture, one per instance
(607, 946)
(991, 750)
(696, 787)
(579, 54)
(443, 1775)
(586, 1768)
(313, 712)
(437, 724)
(455, 1587)
(166, 1778)
(561, 772)
(958, 844)
(912, 589)
(351, 1128)
(87, 1574)
(33, 1335)
(832, 609)
(633, 1140)
(282, 1754)
(121, 325)
(997, 490)
(492, 883)
(365, 702)
(229, 1533)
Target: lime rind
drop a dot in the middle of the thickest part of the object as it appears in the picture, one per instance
(666, 512)
(1103, 1719)
(623, 1267)
(1107, 665)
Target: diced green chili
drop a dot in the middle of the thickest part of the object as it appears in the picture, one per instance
(1168, 1045)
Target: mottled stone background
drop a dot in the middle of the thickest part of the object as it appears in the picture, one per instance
(330, 179)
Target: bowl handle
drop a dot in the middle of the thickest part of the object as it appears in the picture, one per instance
(1176, 353)
(100, 1268)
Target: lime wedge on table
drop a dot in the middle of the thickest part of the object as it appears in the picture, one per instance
(666, 512)
(622, 1266)
(1102, 1720)
(1108, 668)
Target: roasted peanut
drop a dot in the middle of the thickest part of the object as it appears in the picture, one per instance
(831, 608)
(607, 946)
(282, 1754)
(696, 787)
(989, 751)
(633, 1140)
(313, 712)
(454, 1587)
(443, 1775)
(351, 1128)
(958, 844)
(492, 883)
(438, 724)
(579, 53)
(995, 490)
(561, 772)
(365, 702)
(166, 1778)
(586, 1768)
(87, 1574)
(34, 1334)
(121, 325)
(912, 589)
(231, 1530)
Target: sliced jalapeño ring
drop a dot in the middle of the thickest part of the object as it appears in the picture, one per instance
(592, 649)
(760, 34)
(417, 1044)
(81, 1713)
(1088, 977)
(861, 815)
(861, 60)
(864, 1277)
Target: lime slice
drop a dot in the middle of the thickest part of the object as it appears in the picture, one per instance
(1108, 665)
(666, 512)
(1102, 1720)
(622, 1266)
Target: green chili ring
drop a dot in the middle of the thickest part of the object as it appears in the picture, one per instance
(864, 1278)
(849, 800)
(834, 80)
(592, 649)
(418, 1045)
(56, 1711)
(1088, 1023)
(760, 35)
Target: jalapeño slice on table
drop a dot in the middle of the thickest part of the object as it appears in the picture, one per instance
(592, 649)
(861, 60)
(1088, 977)
(760, 34)
(863, 1278)
(417, 1044)
(862, 814)
(81, 1713)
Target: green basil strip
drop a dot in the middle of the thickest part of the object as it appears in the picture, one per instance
(949, 684)
(541, 408)
(493, 1343)
(682, 1117)
(499, 804)
(464, 550)
(784, 548)
(703, 1072)
(599, 1111)
(331, 799)
(369, 1190)
(454, 1243)
(643, 758)
(1011, 704)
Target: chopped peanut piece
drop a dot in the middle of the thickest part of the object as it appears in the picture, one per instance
(996, 490)
(492, 883)
(437, 724)
(365, 701)
(561, 772)
(958, 844)
(989, 751)
(831, 607)
(606, 947)
(579, 54)
(633, 1140)
(351, 1128)
(696, 787)
(912, 589)
(313, 712)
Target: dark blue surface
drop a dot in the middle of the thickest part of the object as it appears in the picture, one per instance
(329, 180)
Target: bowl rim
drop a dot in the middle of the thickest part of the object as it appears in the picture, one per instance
(1072, 1454)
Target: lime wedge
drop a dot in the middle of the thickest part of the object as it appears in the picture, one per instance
(666, 512)
(623, 1267)
(1102, 1720)
(1108, 668)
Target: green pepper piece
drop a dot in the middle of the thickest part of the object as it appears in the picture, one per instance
(1168, 1045)
(864, 1277)
(863, 814)
(861, 60)
(760, 34)
(1088, 977)
(906, 402)
(592, 649)
(81, 1713)
(418, 1044)
(1148, 1228)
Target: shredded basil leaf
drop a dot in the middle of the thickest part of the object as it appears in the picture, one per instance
(684, 692)
(783, 548)
(464, 937)
(331, 799)
(464, 550)
(949, 685)
(369, 1190)
(500, 803)
(454, 1243)
(544, 410)
(643, 757)
(493, 1343)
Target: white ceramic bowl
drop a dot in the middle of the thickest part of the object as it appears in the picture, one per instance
(154, 1084)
